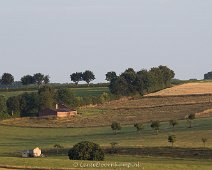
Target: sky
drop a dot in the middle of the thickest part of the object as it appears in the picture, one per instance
(60, 37)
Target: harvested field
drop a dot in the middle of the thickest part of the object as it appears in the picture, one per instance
(186, 89)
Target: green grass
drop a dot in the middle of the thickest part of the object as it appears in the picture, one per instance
(89, 91)
(15, 139)
(149, 163)
(13, 93)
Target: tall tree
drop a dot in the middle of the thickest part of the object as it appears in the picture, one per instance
(46, 97)
(3, 106)
(29, 104)
(13, 105)
(119, 86)
(88, 76)
(110, 76)
(76, 77)
(7, 79)
(168, 74)
(28, 79)
(38, 77)
(65, 96)
(46, 79)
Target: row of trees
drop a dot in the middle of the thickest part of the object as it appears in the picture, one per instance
(131, 82)
(29, 104)
(115, 126)
(86, 76)
(38, 78)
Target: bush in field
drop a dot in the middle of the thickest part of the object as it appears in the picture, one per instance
(86, 151)
(139, 126)
(115, 126)
(155, 125)
(113, 147)
(173, 123)
(58, 147)
(172, 139)
(204, 140)
(190, 118)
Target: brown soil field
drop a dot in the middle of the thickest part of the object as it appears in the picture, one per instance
(186, 89)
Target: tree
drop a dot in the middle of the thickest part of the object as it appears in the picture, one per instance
(86, 151)
(113, 147)
(65, 96)
(139, 126)
(173, 123)
(172, 139)
(76, 77)
(110, 76)
(119, 86)
(167, 74)
(29, 104)
(7, 79)
(115, 126)
(208, 76)
(155, 125)
(58, 147)
(46, 97)
(130, 76)
(88, 76)
(204, 140)
(3, 106)
(28, 79)
(46, 79)
(38, 77)
(190, 118)
(13, 105)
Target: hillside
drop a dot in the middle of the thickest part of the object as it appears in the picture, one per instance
(131, 110)
(186, 89)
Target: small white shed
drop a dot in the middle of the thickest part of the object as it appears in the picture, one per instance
(36, 152)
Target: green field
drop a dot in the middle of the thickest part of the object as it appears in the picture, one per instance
(89, 91)
(86, 91)
(15, 139)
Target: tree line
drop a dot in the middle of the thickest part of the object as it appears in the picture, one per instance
(144, 81)
(29, 104)
(39, 78)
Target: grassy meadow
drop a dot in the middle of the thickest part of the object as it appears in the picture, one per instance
(15, 139)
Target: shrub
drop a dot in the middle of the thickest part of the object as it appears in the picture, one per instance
(115, 126)
(139, 126)
(172, 139)
(155, 125)
(86, 151)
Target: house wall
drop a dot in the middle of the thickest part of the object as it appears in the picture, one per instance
(66, 114)
(47, 112)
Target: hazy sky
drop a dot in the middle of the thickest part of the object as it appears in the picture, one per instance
(59, 37)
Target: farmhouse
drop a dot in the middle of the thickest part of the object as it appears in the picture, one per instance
(59, 111)
(31, 153)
